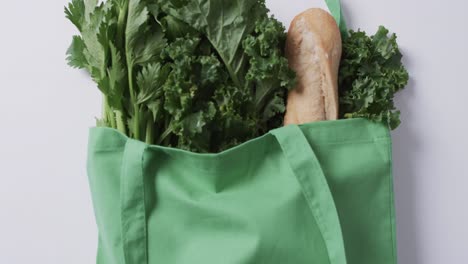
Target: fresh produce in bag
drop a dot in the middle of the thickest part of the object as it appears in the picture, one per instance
(184, 79)
(196, 75)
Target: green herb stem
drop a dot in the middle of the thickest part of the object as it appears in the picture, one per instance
(149, 131)
(104, 109)
(108, 113)
(120, 122)
(165, 135)
(121, 25)
(112, 119)
(136, 110)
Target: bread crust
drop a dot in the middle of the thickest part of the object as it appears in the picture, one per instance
(313, 48)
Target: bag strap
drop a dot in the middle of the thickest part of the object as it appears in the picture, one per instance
(308, 171)
(132, 202)
(335, 9)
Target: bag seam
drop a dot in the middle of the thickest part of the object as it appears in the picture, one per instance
(391, 202)
(124, 191)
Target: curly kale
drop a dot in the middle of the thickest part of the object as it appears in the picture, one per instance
(371, 72)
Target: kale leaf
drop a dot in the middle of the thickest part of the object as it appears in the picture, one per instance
(371, 72)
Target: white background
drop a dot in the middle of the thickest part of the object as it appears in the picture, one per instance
(46, 108)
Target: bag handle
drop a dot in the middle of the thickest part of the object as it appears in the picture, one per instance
(132, 203)
(307, 169)
(335, 9)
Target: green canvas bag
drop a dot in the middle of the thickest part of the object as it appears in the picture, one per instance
(317, 193)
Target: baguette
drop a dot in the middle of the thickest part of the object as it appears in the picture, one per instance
(313, 49)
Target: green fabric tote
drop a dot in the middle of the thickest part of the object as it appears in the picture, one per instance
(319, 193)
(316, 193)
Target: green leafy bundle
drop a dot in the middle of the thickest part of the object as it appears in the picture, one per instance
(200, 75)
(371, 72)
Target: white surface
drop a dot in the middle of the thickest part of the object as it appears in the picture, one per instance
(46, 108)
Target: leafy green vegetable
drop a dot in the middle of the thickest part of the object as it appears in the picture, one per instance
(370, 74)
(76, 57)
(268, 68)
(201, 75)
(225, 24)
